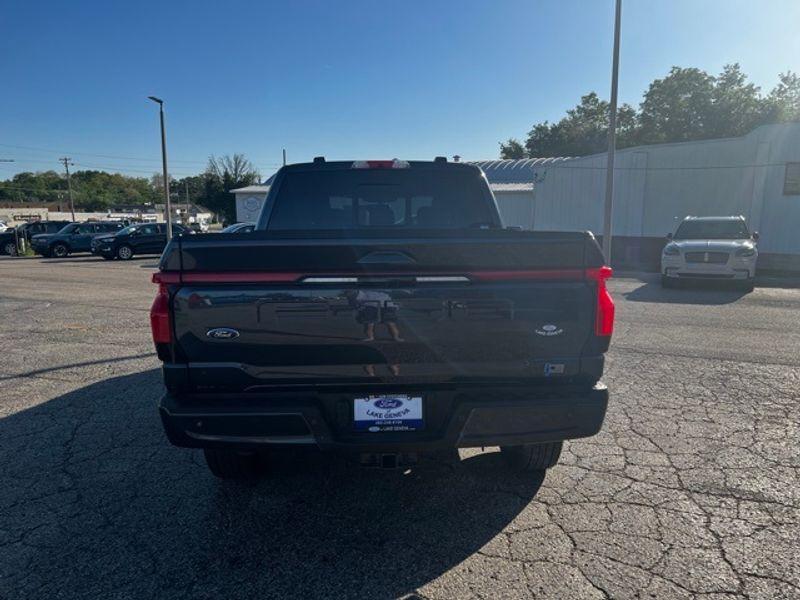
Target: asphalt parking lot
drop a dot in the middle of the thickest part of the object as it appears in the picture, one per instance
(692, 488)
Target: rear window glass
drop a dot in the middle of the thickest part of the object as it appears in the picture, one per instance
(381, 198)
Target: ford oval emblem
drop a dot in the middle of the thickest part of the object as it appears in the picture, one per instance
(388, 403)
(549, 330)
(222, 333)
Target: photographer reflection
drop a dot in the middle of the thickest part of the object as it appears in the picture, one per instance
(373, 308)
(393, 369)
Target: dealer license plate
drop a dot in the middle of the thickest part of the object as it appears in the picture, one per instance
(399, 412)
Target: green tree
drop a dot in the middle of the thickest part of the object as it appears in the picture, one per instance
(783, 102)
(677, 108)
(92, 190)
(687, 104)
(512, 148)
(223, 175)
(737, 105)
(583, 131)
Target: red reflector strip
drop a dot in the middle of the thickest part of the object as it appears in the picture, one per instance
(225, 277)
(164, 277)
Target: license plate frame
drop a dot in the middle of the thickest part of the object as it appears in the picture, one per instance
(389, 413)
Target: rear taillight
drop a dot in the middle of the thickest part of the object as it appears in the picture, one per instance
(604, 319)
(160, 323)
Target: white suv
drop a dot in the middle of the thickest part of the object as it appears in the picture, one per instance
(710, 248)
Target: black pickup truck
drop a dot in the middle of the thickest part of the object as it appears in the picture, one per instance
(381, 308)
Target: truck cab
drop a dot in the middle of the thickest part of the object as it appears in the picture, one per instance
(381, 308)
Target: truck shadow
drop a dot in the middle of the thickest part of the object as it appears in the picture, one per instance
(94, 502)
(689, 292)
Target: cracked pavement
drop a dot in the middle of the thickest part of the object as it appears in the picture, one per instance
(691, 489)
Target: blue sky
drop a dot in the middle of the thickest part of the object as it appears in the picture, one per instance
(410, 79)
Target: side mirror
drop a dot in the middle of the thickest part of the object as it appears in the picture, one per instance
(756, 236)
(669, 236)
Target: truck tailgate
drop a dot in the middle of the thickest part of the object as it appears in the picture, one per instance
(490, 305)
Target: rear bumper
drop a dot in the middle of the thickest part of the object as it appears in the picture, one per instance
(507, 416)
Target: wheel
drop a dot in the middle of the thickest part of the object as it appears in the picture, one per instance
(230, 464)
(125, 252)
(532, 457)
(10, 248)
(666, 282)
(59, 251)
(749, 284)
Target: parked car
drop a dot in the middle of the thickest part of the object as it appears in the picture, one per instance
(710, 248)
(381, 308)
(240, 228)
(8, 240)
(143, 238)
(74, 238)
(199, 226)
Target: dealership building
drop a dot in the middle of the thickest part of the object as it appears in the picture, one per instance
(655, 187)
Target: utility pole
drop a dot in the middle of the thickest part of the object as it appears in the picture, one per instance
(612, 139)
(167, 204)
(67, 162)
(284, 157)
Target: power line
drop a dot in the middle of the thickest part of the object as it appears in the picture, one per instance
(112, 156)
(118, 157)
(113, 168)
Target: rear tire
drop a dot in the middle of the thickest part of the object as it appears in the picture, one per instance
(59, 251)
(10, 248)
(230, 464)
(666, 282)
(532, 457)
(125, 252)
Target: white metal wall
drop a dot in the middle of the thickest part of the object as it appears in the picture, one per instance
(516, 208)
(656, 186)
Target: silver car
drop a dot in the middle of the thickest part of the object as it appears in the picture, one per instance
(719, 248)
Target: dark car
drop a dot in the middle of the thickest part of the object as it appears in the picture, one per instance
(143, 238)
(240, 228)
(75, 237)
(8, 239)
(381, 308)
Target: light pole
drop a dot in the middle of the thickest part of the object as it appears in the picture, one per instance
(167, 205)
(612, 139)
